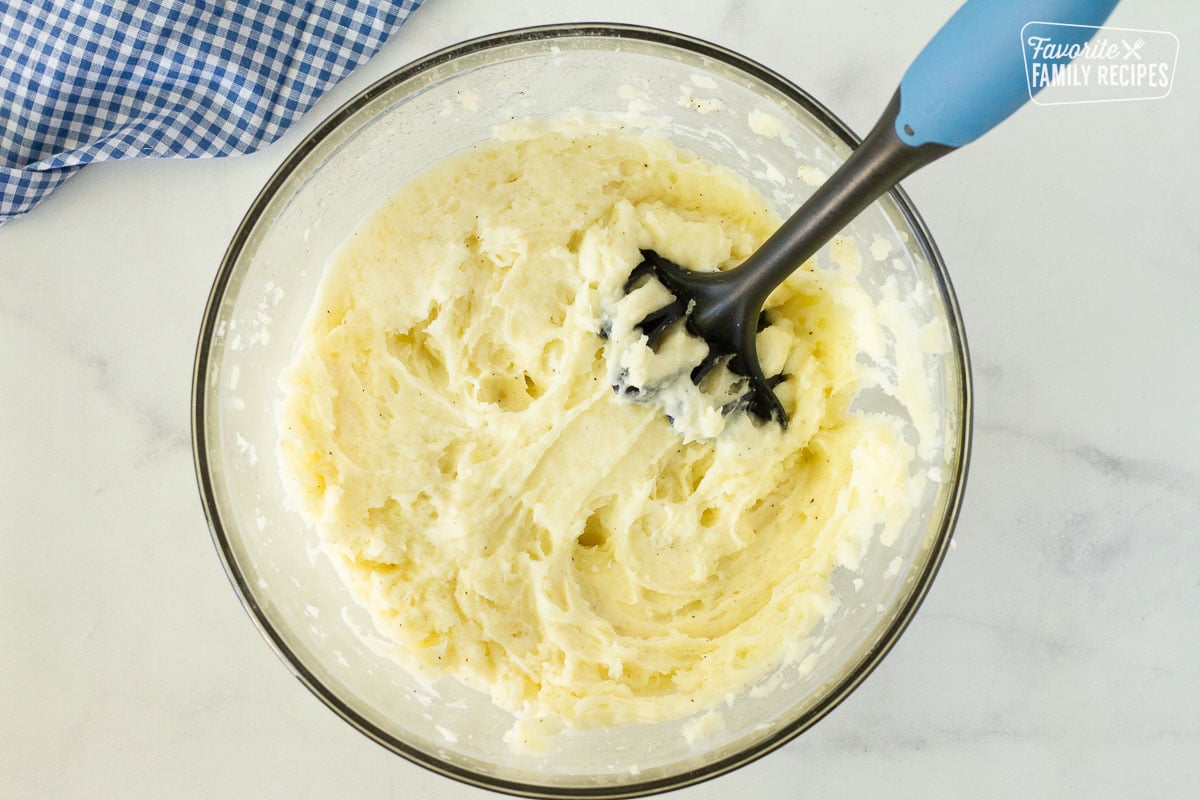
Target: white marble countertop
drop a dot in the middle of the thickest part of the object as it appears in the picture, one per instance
(1058, 654)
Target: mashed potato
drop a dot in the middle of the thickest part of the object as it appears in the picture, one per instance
(449, 427)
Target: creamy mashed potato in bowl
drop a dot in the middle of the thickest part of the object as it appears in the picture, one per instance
(431, 501)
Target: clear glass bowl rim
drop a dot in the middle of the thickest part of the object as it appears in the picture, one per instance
(852, 678)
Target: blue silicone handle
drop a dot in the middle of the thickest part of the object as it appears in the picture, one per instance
(971, 76)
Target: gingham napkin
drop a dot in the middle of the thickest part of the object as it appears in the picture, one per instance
(101, 79)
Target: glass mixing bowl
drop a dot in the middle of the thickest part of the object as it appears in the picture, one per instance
(708, 100)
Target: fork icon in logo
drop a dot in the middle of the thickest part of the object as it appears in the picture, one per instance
(1132, 49)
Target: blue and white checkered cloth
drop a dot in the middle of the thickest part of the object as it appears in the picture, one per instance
(95, 80)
